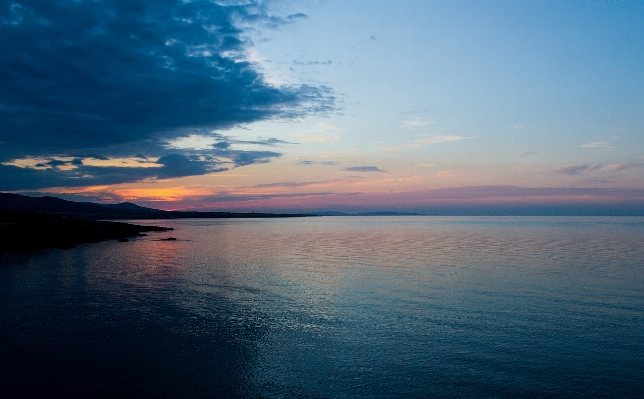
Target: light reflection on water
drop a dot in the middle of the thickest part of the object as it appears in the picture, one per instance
(333, 307)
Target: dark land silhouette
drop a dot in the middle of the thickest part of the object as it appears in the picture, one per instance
(38, 223)
(124, 210)
(27, 231)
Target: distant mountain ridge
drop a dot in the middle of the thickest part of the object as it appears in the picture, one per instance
(124, 210)
(128, 210)
(375, 213)
(52, 204)
(128, 206)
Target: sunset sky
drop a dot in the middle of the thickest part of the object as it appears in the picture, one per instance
(323, 105)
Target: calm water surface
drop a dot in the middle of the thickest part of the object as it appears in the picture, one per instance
(380, 307)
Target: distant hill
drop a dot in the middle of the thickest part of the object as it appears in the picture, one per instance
(124, 210)
(128, 206)
(384, 213)
(375, 213)
(52, 205)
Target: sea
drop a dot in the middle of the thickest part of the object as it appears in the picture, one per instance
(332, 307)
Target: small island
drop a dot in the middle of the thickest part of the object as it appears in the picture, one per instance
(27, 231)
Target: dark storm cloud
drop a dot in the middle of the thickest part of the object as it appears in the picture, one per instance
(243, 158)
(363, 169)
(175, 165)
(56, 163)
(120, 77)
(171, 165)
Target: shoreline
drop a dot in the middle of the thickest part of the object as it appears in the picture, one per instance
(29, 231)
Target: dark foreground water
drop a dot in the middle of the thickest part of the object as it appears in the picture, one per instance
(375, 307)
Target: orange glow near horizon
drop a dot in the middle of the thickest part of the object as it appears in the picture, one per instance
(172, 194)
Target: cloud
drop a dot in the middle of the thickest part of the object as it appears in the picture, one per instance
(176, 165)
(243, 158)
(37, 173)
(416, 122)
(455, 138)
(402, 147)
(447, 174)
(169, 166)
(527, 154)
(363, 169)
(427, 165)
(306, 162)
(571, 170)
(616, 167)
(597, 144)
(312, 62)
(260, 141)
(419, 142)
(296, 184)
(206, 141)
(417, 111)
(122, 78)
(319, 139)
(326, 133)
(299, 15)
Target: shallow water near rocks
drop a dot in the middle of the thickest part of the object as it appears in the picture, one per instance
(333, 307)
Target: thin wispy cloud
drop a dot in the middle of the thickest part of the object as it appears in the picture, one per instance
(217, 140)
(299, 184)
(445, 174)
(298, 15)
(416, 122)
(307, 162)
(527, 154)
(620, 166)
(416, 111)
(455, 138)
(328, 62)
(598, 144)
(363, 169)
(402, 147)
(571, 170)
(325, 133)
(319, 139)
(330, 156)
(424, 141)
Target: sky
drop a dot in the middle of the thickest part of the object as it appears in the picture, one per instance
(323, 105)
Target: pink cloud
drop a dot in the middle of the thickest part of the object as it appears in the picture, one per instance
(572, 169)
(447, 174)
(616, 167)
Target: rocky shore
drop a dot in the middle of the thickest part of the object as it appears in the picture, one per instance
(36, 231)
